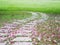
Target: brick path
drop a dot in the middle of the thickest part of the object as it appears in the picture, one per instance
(17, 34)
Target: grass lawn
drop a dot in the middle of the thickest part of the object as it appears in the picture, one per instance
(47, 6)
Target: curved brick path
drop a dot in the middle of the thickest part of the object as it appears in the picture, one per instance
(13, 34)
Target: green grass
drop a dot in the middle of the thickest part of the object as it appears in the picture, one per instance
(47, 6)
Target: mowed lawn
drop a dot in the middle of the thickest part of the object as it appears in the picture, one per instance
(47, 6)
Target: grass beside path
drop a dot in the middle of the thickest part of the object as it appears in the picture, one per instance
(6, 16)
